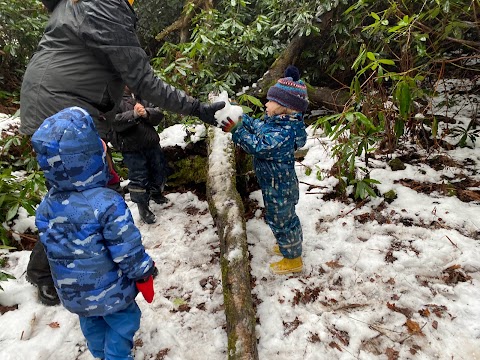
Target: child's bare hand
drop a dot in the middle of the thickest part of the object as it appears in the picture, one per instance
(140, 110)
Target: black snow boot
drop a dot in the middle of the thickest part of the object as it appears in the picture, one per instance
(48, 295)
(159, 198)
(145, 214)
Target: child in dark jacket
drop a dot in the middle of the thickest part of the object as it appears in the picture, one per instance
(134, 134)
(94, 249)
(272, 141)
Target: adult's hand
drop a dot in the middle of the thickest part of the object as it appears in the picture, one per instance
(206, 112)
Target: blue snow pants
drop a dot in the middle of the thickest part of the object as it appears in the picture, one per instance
(110, 337)
(280, 194)
(147, 173)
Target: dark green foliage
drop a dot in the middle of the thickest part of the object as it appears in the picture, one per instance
(356, 136)
(228, 49)
(466, 133)
(22, 185)
(153, 17)
(382, 50)
(404, 48)
(21, 26)
(4, 277)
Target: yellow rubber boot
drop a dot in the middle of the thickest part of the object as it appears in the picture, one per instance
(287, 266)
(276, 250)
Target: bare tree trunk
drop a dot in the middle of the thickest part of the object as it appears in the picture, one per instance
(323, 96)
(227, 211)
(287, 57)
(330, 98)
(183, 23)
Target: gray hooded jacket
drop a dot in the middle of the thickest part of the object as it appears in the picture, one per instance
(88, 52)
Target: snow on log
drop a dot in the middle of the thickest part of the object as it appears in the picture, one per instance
(227, 211)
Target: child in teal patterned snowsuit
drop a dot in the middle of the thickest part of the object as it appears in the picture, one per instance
(93, 247)
(272, 141)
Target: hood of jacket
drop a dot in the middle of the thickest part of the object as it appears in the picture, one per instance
(295, 122)
(70, 151)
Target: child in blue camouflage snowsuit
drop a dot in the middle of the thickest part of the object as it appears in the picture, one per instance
(272, 141)
(94, 250)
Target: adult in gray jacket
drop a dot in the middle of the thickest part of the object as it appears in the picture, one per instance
(88, 52)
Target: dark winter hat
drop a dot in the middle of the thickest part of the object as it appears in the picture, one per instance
(290, 91)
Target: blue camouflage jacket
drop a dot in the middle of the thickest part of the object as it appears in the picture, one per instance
(92, 244)
(272, 141)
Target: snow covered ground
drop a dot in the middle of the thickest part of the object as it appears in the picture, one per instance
(381, 281)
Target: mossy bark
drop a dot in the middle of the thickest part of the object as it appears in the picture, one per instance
(334, 99)
(227, 211)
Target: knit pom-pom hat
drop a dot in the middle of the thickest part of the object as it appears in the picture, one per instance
(290, 91)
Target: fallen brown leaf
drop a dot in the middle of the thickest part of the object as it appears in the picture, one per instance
(334, 264)
(424, 312)
(333, 344)
(413, 327)
(392, 354)
(407, 312)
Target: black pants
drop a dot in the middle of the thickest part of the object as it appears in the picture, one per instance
(147, 173)
(38, 269)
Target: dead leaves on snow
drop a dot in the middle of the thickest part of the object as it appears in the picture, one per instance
(414, 328)
(308, 296)
(453, 275)
(4, 309)
(161, 355)
(407, 312)
(289, 327)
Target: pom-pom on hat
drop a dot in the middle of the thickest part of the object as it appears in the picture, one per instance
(290, 91)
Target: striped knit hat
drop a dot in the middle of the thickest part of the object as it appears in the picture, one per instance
(290, 91)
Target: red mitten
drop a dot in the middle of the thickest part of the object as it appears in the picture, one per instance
(114, 178)
(230, 125)
(145, 286)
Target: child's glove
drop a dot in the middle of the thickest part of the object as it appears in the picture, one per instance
(145, 286)
(230, 125)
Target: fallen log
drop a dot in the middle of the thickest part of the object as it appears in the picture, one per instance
(227, 211)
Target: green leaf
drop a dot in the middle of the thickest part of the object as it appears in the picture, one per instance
(4, 276)
(434, 127)
(206, 39)
(404, 97)
(386, 61)
(360, 58)
(356, 86)
(12, 212)
(255, 101)
(399, 128)
(446, 6)
(178, 302)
